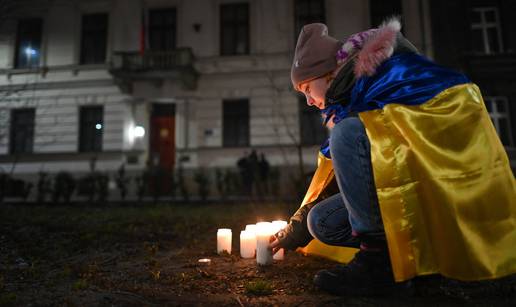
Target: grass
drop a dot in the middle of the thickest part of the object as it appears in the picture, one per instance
(80, 284)
(84, 228)
(112, 220)
(258, 287)
(7, 299)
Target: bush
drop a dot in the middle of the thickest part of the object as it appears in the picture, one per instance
(12, 187)
(141, 184)
(158, 177)
(122, 182)
(64, 186)
(221, 184)
(181, 183)
(43, 187)
(95, 186)
(3, 185)
(101, 186)
(203, 183)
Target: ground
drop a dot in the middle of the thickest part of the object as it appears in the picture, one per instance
(92, 255)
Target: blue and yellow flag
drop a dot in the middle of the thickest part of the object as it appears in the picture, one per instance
(446, 192)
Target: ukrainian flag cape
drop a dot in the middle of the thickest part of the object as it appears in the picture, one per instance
(445, 188)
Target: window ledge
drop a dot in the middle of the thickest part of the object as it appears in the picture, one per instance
(65, 156)
(43, 70)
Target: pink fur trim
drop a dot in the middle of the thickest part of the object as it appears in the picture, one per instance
(377, 49)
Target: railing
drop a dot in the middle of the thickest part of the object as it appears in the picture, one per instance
(153, 60)
(151, 65)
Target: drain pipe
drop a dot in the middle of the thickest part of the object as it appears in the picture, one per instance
(422, 27)
(186, 118)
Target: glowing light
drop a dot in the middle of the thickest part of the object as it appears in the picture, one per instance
(138, 131)
(135, 132)
(29, 51)
(98, 126)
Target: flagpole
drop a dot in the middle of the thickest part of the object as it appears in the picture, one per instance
(143, 28)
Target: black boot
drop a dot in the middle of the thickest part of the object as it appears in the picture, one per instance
(369, 273)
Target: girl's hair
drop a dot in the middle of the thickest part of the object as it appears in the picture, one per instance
(329, 77)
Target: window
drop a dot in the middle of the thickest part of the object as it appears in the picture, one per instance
(307, 11)
(21, 138)
(90, 129)
(311, 128)
(236, 123)
(162, 29)
(382, 9)
(234, 29)
(498, 108)
(486, 36)
(28, 43)
(94, 38)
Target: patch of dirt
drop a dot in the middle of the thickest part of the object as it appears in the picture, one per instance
(42, 266)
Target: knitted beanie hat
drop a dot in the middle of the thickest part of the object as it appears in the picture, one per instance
(314, 55)
(317, 53)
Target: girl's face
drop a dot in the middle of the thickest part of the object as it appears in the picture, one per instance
(315, 91)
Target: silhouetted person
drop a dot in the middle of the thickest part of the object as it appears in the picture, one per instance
(263, 172)
(246, 174)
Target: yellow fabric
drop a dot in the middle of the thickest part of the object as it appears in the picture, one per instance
(446, 192)
(322, 177)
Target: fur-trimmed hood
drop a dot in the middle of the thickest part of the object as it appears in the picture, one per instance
(363, 53)
(368, 49)
(377, 48)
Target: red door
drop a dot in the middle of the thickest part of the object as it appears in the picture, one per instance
(162, 137)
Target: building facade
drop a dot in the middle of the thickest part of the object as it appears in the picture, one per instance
(176, 83)
(476, 37)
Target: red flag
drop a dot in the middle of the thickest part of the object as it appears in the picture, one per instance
(143, 29)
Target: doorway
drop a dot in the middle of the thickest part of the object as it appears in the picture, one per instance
(162, 136)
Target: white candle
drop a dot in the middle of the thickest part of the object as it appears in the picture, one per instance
(247, 244)
(264, 230)
(279, 225)
(252, 229)
(224, 240)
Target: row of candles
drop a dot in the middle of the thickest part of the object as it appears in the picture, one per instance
(254, 240)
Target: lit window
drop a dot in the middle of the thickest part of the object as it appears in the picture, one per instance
(486, 30)
(28, 43)
(498, 108)
(90, 128)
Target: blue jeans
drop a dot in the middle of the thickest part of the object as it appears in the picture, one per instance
(354, 211)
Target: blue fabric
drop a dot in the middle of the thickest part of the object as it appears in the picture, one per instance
(405, 78)
(325, 149)
(336, 109)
